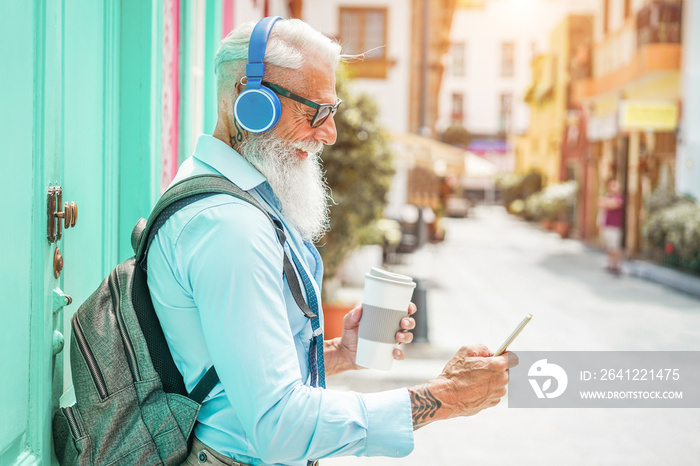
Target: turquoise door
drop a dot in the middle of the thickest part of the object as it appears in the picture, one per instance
(53, 123)
(78, 110)
(31, 134)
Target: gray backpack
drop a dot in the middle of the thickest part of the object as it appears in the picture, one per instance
(131, 403)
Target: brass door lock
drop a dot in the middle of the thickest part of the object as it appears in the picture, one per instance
(54, 215)
(57, 263)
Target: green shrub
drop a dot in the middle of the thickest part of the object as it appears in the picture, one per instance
(677, 225)
(551, 201)
(517, 207)
(672, 229)
(515, 186)
(662, 198)
(456, 135)
(534, 208)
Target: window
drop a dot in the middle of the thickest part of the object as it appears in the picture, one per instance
(505, 113)
(364, 30)
(457, 107)
(458, 56)
(507, 59)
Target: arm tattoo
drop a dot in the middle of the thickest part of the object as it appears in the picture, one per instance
(424, 404)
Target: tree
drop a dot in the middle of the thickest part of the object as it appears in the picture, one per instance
(456, 135)
(359, 171)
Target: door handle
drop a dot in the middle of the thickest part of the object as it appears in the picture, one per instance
(54, 214)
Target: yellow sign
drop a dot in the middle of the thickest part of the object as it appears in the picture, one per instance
(643, 115)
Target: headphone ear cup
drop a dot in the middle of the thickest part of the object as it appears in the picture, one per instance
(257, 110)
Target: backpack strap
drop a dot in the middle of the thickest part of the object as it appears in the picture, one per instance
(185, 193)
(198, 184)
(205, 385)
(292, 280)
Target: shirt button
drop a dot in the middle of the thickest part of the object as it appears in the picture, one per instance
(202, 457)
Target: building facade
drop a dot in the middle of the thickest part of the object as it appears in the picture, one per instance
(492, 44)
(555, 143)
(538, 148)
(633, 103)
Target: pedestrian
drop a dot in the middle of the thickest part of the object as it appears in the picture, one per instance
(612, 206)
(217, 280)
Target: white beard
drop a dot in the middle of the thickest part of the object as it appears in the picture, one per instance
(298, 184)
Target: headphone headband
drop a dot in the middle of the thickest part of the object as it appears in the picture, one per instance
(256, 48)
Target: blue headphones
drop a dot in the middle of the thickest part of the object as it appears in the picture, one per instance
(257, 108)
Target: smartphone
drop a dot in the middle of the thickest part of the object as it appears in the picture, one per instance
(511, 337)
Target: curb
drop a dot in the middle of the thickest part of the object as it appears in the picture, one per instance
(665, 276)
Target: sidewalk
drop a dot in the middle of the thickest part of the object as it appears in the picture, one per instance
(665, 276)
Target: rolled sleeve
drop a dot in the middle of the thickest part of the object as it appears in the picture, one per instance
(389, 423)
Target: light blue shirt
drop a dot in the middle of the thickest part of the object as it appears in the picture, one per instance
(215, 276)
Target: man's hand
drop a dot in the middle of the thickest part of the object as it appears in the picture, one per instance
(471, 381)
(340, 352)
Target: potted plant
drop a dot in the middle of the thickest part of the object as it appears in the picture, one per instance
(513, 186)
(557, 201)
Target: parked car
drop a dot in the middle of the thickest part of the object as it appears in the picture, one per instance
(457, 207)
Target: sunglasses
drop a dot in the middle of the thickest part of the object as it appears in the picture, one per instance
(323, 111)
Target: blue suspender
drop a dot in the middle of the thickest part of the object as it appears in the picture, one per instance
(318, 368)
(310, 309)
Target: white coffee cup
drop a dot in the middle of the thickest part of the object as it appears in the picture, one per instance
(385, 303)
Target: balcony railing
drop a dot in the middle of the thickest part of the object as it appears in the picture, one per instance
(659, 22)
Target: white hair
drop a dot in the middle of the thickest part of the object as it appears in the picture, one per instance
(290, 42)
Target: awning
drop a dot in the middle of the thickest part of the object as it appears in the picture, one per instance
(430, 153)
(478, 167)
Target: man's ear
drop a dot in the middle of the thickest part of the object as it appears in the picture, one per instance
(239, 89)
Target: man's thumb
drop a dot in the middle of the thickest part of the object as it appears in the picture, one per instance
(353, 317)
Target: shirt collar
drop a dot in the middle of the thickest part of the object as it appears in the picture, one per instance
(220, 156)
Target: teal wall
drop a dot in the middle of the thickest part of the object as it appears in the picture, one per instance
(198, 37)
(81, 106)
(139, 114)
(211, 45)
(187, 52)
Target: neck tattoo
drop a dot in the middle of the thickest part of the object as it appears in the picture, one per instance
(238, 138)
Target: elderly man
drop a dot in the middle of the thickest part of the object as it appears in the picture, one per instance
(218, 285)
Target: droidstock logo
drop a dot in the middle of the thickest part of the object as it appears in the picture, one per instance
(546, 372)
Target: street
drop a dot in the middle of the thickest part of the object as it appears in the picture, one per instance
(492, 270)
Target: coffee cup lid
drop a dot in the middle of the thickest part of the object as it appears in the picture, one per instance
(379, 273)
